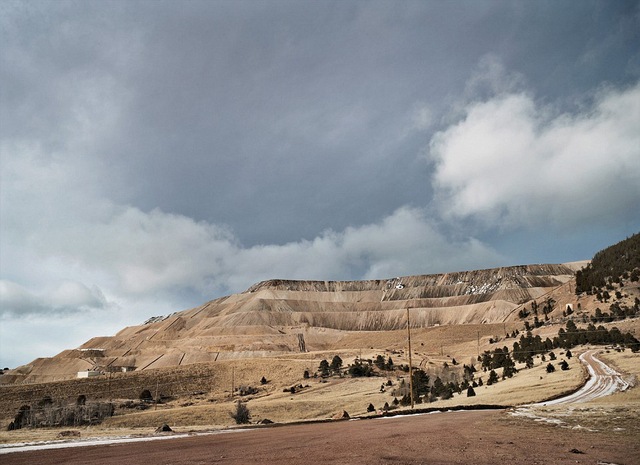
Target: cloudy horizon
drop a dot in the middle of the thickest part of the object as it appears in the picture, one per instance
(157, 155)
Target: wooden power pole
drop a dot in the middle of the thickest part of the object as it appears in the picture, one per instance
(410, 366)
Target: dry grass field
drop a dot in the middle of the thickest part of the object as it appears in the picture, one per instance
(202, 393)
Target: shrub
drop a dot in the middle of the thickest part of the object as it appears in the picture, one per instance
(550, 368)
(263, 380)
(564, 365)
(247, 390)
(306, 374)
(371, 408)
(242, 414)
(146, 396)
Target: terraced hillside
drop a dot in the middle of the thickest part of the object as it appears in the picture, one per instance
(283, 316)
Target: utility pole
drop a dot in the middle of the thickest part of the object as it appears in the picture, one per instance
(410, 366)
(478, 344)
(233, 382)
(156, 407)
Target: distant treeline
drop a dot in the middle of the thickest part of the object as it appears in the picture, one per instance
(621, 260)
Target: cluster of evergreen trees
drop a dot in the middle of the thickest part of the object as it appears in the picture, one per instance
(327, 369)
(621, 260)
(426, 390)
(616, 312)
(529, 346)
(572, 336)
(383, 364)
(499, 358)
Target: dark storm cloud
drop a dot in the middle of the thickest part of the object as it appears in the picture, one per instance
(282, 119)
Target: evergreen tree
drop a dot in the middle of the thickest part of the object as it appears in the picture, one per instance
(471, 392)
(550, 368)
(493, 378)
(336, 364)
(241, 415)
(324, 368)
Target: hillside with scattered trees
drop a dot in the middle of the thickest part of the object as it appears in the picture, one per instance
(608, 266)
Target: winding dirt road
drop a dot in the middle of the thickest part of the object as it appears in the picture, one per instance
(603, 380)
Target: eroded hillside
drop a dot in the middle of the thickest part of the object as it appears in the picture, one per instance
(283, 316)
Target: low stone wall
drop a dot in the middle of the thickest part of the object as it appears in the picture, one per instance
(176, 382)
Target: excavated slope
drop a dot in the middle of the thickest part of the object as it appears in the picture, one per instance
(281, 316)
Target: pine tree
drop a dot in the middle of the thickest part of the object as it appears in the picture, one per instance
(336, 363)
(471, 392)
(324, 368)
(550, 368)
(241, 415)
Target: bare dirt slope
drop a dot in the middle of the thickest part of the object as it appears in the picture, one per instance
(281, 317)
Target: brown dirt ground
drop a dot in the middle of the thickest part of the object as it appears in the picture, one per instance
(480, 437)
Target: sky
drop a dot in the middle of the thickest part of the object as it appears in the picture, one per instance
(155, 155)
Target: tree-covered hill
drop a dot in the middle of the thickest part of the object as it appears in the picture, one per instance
(621, 260)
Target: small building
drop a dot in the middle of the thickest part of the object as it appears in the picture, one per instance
(89, 373)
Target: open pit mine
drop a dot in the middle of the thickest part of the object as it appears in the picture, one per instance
(277, 317)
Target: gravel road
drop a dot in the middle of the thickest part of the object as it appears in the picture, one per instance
(603, 380)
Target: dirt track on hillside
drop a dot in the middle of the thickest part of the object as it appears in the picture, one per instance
(603, 380)
(480, 437)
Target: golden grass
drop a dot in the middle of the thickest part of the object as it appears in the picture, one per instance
(321, 400)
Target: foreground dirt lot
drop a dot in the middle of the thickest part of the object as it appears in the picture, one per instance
(480, 437)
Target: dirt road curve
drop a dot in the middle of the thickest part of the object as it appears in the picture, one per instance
(603, 381)
(479, 437)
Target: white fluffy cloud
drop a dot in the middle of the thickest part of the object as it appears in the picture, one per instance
(58, 228)
(512, 162)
